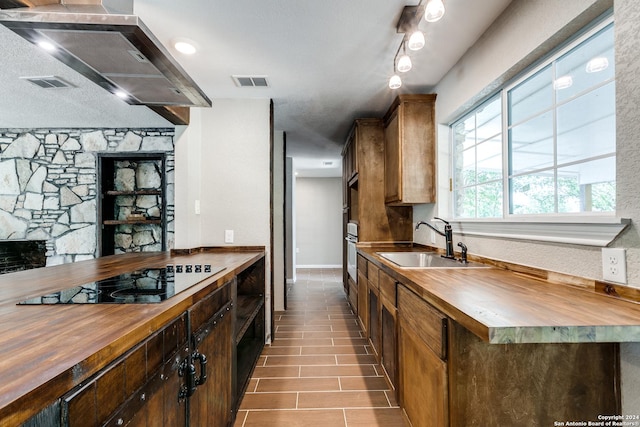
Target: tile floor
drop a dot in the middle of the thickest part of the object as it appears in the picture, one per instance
(319, 370)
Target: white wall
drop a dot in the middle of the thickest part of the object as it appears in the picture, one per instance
(223, 160)
(318, 210)
(526, 31)
(279, 274)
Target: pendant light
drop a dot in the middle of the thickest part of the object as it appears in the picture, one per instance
(416, 41)
(434, 10)
(404, 62)
(395, 82)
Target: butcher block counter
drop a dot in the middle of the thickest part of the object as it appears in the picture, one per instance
(501, 306)
(477, 346)
(47, 350)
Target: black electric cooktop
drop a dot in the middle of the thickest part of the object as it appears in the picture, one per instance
(150, 285)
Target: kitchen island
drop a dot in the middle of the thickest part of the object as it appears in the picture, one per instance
(47, 351)
(492, 347)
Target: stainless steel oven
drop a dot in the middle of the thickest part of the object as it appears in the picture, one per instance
(352, 239)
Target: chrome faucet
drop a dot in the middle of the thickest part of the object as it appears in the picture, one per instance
(447, 234)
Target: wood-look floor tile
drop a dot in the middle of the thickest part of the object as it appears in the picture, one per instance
(253, 382)
(343, 349)
(375, 417)
(298, 384)
(300, 360)
(364, 383)
(350, 341)
(353, 327)
(338, 371)
(303, 328)
(269, 401)
(357, 359)
(333, 334)
(287, 342)
(281, 351)
(287, 335)
(309, 418)
(343, 399)
(391, 397)
(240, 417)
(276, 372)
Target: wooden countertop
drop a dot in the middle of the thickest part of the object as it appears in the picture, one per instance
(46, 350)
(501, 306)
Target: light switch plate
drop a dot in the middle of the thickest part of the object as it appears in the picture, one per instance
(196, 207)
(614, 265)
(228, 236)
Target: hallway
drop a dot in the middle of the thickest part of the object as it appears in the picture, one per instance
(319, 371)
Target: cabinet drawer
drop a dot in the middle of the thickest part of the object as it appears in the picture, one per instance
(372, 274)
(427, 322)
(362, 265)
(387, 286)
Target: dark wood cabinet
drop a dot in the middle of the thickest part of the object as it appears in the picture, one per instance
(249, 331)
(192, 372)
(212, 341)
(409, 150)
(132, 202)
(140, 388)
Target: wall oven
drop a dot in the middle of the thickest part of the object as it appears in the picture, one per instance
(352, 239)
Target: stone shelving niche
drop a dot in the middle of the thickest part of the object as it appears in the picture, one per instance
(132, 202)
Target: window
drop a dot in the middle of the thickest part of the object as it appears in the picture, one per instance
(545, 144)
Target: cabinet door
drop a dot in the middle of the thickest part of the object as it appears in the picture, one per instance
(141, 388)
(422, 344)
(211, 404)
(374, 321)
(389, 341)
(213, 342)
(392, 155)
(363, 301)
(423, 382)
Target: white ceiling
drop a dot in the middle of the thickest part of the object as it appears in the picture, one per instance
(328, 62)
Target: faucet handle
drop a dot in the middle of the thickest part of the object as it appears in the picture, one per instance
(446, 222)
(463, 254)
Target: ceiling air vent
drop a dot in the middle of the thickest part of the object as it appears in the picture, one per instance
(48, 82)
(251, 81)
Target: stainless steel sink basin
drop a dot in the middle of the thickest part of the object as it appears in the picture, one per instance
(426, 260)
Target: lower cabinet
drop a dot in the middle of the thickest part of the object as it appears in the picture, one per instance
(388, 327)
(192, 372)
(139, 389)
(450, 377)
(423, 367)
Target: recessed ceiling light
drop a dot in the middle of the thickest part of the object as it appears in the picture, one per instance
(47, 45)
(121, 94)
(185, 46)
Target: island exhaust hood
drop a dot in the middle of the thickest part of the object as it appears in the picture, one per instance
(104, 41)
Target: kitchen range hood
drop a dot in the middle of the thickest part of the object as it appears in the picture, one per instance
(104, 41)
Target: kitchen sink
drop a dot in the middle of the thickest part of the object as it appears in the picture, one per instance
(426, 260)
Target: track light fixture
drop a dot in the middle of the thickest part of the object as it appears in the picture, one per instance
(434, 11)
(414, 39)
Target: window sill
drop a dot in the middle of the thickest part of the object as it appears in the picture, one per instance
(588, 231)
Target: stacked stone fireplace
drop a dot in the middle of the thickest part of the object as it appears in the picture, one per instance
(48, 185)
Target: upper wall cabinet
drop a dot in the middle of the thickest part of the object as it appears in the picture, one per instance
(410, 140)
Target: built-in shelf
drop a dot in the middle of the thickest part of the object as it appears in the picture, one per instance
(134, 193)
(131, 221)
(247, 308)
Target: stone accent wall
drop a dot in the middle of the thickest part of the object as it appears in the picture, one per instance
(48, 181)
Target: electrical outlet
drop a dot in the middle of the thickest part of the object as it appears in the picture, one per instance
(614, 265)
(228, 236)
